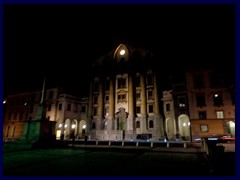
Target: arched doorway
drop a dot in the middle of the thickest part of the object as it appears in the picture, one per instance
(67, 129)
(82, 128)
(231, 128)
(58, 127)
(184, 127)
(74, 126)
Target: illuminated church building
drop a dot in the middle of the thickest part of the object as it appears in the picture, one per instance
(123, 99)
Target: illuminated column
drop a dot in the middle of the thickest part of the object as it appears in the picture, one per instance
(100, 106)
(111, 105)
(130, 103)
(144, 103)
(158, 118)
(90, 106)
(156, 95)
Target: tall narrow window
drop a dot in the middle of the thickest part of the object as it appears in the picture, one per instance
(138, 109)
(150, 95)
(168, 107)
(95, 86)
(69, 107)
(200, 100)
(217, 99)
(149, 79)
(138, 124)
(151, 124)
(202, 115)
(198, 81)
(150, 108)
(60, 106)
(83, 109)
(106, 111)
(95, 99)
(219, 114)
(138, 81)
(121, 98)
(93, 125)
(95, 111)
(107, 99)
(121, 83)
(138, 96)
(107, 85)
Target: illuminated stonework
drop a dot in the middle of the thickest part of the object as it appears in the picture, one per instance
(123, 100)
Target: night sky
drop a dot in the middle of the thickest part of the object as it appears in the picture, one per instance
(62, 41)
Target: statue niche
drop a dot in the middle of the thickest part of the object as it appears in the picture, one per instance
(121, 116)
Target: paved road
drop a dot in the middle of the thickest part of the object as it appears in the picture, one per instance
(114, 162)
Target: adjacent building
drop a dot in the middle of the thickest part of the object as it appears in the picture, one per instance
(211, 99)
(176, 113)
(65, 114)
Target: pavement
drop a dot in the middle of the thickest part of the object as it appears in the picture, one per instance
(94, 159)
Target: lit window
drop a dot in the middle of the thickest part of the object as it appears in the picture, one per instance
(181, 102)
(219, 114)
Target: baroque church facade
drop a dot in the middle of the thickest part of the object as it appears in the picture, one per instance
(123, 99)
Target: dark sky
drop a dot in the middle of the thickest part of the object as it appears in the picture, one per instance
(63, 40)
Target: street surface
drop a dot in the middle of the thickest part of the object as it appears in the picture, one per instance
(77, 161)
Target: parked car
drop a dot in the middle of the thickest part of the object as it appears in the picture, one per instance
(226, 138)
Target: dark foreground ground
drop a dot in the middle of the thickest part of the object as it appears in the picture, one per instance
(79, 161)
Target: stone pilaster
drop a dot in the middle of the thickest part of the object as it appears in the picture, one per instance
(100, 106)
(144, 104)
(111, 122)
(90, 109)
(130, 104)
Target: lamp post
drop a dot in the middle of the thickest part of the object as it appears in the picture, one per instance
(26, 104)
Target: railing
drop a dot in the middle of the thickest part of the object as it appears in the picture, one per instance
(132, 143)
